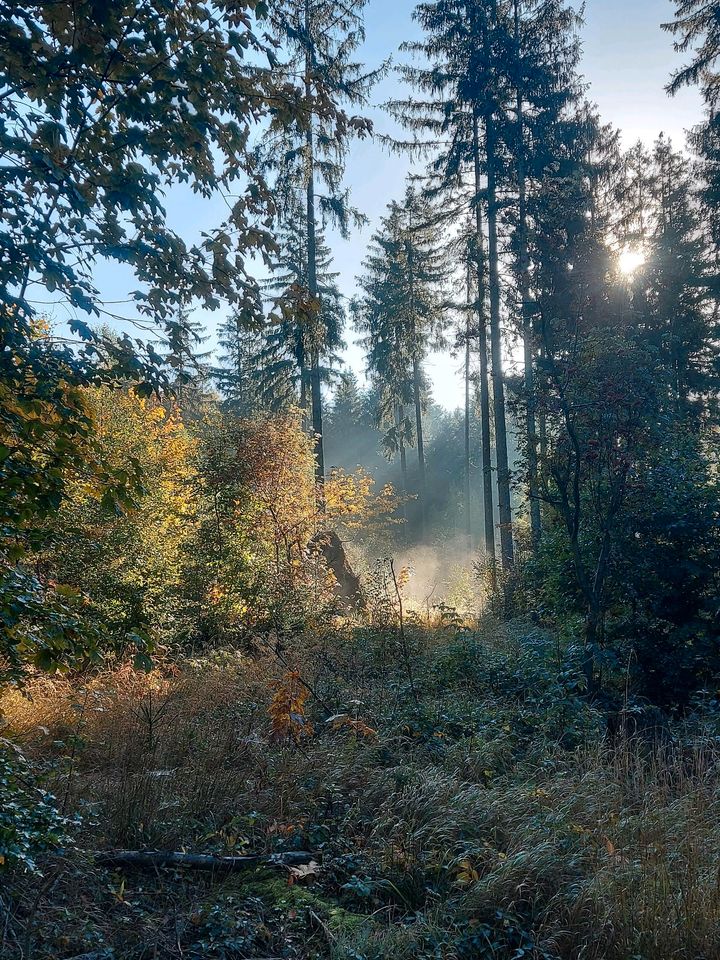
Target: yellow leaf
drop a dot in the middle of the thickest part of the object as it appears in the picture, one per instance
(467, 874)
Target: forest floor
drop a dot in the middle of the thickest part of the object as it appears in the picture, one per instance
(459, 796)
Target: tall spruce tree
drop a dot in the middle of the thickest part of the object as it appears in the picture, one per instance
(496, 75)
(447, 123)
(467, 344)
(490, 93)
(300, 330)
(542, 74)
(678, 266)
(697, 29)
(467, 337)
(184, 355)
(350, 428)
(322, 37)
(402, 311)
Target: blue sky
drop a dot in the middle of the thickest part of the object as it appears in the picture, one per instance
(627, 61)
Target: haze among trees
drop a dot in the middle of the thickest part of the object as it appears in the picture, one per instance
(294, 661)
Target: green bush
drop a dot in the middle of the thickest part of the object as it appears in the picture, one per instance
(30, 822)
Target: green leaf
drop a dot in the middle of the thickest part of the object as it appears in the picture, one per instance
(44, 660)
(142, 662)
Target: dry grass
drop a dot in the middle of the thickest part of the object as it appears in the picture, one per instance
(151, 751)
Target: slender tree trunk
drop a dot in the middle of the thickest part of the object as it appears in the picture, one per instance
(401, 443)
(303, 390)
(417, 390)
(488, 508)
(593, 621)
(501, 448)
(315, 380)
(541, 386)
(303, 371)
(468, 334)
(399, 421)
(417, 398)
(526, 305)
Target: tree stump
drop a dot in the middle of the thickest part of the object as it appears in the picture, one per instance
(348, 588)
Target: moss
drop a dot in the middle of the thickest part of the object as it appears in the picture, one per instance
(274, 891)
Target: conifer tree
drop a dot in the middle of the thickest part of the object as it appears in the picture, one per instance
(297, 331)
(697, 29)
(322, 37)
(671, 291)
(467, 373)
(401, 309)
(494, 74)
(542, 74)
(269, 366)
(447, 122)
(185, 358)
(476, 252)
(351, 432)
(490, 95)
(238, 373)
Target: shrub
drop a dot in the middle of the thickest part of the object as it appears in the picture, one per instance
(30, 822)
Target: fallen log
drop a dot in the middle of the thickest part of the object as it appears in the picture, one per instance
(152, 859)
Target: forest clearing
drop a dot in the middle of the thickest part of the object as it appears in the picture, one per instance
(359, 564)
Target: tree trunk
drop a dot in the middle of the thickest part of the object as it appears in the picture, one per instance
(417, 397)
(501, 449)
(400, 420)
(593, 620)
(468, 334)
(315, 380)
(417, 389)
(542, 419)
(488, 509)
(400, 414)
(302, 366)
(526, 306)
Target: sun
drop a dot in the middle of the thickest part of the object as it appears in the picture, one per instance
(630, 259)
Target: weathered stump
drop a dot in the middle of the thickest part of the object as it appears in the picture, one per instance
(348, 588)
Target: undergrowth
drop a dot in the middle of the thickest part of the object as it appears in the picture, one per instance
(495, 817)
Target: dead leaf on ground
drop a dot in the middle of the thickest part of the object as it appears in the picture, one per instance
(303, 872)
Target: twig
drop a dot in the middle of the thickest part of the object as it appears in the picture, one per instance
(301, 680)
(329, 935)
(403, 638)
(73, 752)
